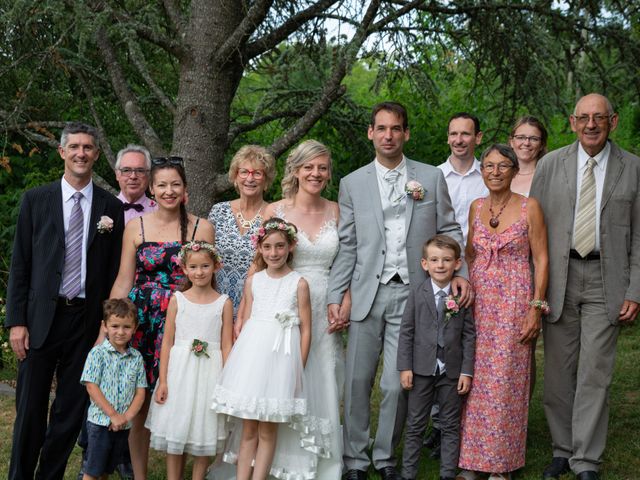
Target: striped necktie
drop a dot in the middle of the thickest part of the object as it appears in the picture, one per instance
(73, 250)
(585, 229)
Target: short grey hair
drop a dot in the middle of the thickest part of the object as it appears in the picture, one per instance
(504, 150)
(78, 127)
(609, 105)
(135, 149)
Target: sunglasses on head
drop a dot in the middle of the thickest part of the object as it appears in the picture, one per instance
(161, 161)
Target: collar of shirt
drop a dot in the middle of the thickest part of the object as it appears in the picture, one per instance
(382, 170)
(111, 349)
(601, 158)
(447, 168)
(68, 190)
(436, 288)
(143, 200)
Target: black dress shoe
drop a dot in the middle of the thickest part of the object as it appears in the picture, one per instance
(558, 466)
(355, 475)
(389, 473)
(435, 453)
(447, 478)
(433, 439)
(587, 475)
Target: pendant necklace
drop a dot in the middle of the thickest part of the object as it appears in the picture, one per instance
(494, 220)
(249, 224)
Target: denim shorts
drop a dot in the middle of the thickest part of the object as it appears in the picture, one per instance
(104, 449)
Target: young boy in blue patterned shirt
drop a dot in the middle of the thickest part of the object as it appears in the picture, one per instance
(116, 383)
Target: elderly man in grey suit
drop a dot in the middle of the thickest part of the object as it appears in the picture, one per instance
(589, 194)
(388, 209)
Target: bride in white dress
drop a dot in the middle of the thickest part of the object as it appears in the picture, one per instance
(317, 445)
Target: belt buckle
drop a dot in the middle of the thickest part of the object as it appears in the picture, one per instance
(68, 302)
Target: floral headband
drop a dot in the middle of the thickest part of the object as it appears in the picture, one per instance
(196, 246)
(269, 226)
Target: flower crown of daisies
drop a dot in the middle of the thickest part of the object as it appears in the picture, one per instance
(272, 225)
(196, 246)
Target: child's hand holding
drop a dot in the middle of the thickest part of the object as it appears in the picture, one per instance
(118, 422)
(464, 384)
(406, 379)
(162, 392)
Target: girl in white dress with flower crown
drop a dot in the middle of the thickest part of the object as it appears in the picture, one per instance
(262, 380)
(316, 450)
(197, 340)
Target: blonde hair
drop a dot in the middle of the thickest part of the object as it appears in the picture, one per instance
(306, 151)
(257, 155)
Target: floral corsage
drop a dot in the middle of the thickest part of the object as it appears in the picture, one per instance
(451, 307)
(541, 305)
(287, 320)
(105, 225)
(199, 348)
(414, 190)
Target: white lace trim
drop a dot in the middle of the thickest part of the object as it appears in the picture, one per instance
(275, 410)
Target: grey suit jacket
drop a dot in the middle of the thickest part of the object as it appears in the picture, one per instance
(418, 341)
(360, 259)
(554, 186)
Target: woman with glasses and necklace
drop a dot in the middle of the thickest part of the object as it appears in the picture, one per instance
(150, 272)
(529, 140)
(251, 172)
(506, 229)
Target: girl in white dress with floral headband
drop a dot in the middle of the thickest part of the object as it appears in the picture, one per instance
(197, 340)
(262, 380)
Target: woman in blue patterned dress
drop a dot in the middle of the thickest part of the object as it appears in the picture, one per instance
(251, 171)
(150, 272)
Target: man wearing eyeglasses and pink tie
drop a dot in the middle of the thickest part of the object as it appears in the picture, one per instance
(133, 164)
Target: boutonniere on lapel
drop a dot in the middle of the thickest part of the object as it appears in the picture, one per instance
(414, 190)
(451, 307)
(105, 225)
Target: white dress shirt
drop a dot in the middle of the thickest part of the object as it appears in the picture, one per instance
(395, 260)
(599, 172)
(67, 205)
(464, 189)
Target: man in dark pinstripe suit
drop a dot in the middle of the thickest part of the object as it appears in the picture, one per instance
(54, 302)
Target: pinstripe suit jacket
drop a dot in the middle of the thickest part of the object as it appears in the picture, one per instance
(38, 260)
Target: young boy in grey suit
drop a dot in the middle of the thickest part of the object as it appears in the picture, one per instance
(436, 351)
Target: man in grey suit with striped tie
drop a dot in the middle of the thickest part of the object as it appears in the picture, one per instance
(589, 194)
(66, 254)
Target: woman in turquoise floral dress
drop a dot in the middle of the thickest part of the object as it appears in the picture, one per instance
(150, 273)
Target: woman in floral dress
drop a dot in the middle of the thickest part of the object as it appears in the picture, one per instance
(505, 230)
(150, 272)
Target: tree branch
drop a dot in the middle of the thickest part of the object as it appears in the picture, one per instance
(138, 61)
(333, 89)
(255, 16)
(148, 33)
(270, 40)
(172, 9)
(240, 128)
(133, 112)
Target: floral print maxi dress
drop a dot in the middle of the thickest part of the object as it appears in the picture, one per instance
(158, 275)
(494, 421)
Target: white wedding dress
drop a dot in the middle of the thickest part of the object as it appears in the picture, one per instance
(324, 372)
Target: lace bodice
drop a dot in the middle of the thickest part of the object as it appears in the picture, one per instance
(272, 296)
(201, 321)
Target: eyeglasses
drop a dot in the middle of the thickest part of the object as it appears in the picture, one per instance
(245, 172)
(502, 167)
(525, 138)
(161, 161)
(127, 172)
(597, 118)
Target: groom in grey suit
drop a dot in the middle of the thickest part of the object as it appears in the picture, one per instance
(382, 230)
(594, 281)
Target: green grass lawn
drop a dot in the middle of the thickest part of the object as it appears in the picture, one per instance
(621, 460)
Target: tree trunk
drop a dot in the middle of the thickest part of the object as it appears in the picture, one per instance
(205, 94)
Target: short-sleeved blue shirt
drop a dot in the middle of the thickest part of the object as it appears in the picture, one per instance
(117, 374)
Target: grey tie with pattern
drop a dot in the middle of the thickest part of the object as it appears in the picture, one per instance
(391, 177)
(585, 228)
(441, 295)
(73, 250)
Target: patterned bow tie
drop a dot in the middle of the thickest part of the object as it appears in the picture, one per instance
(136, 206)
